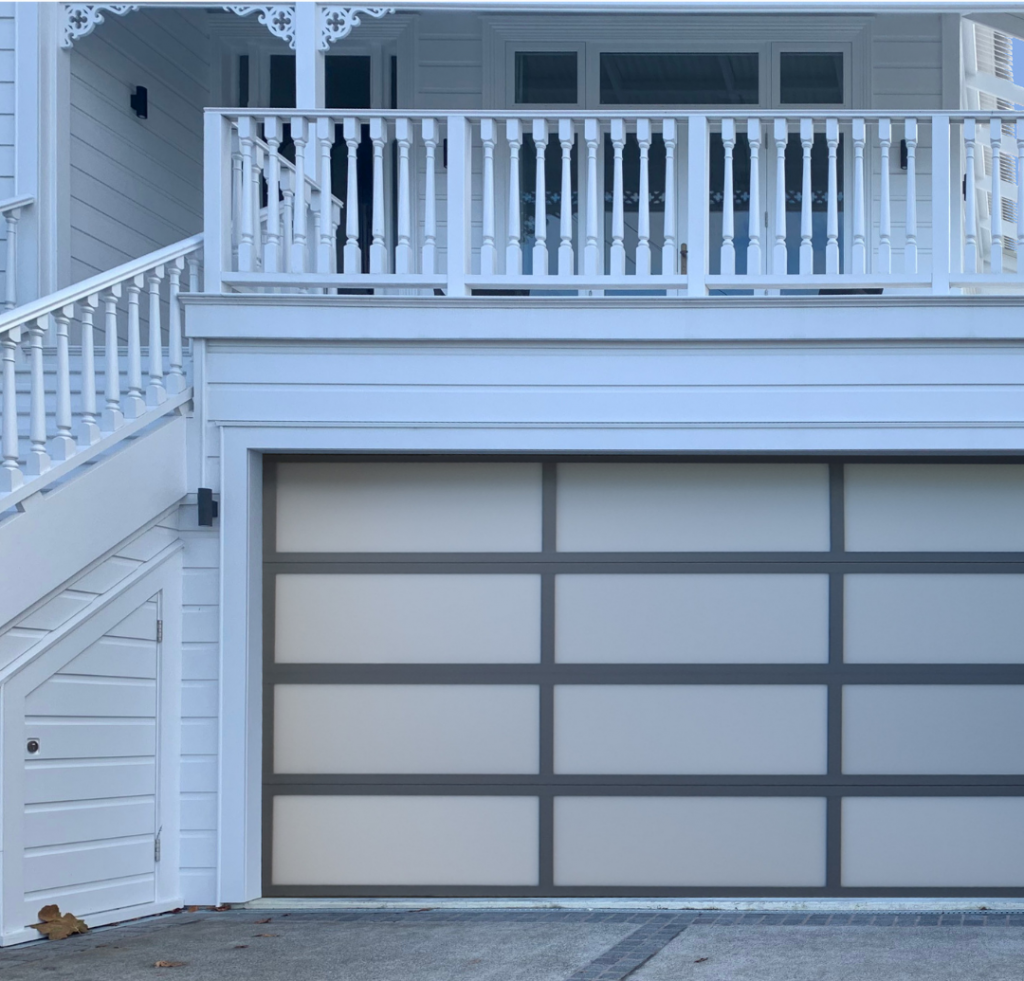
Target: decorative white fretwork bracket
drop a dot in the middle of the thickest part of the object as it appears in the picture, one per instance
(81, 19)
(336, 22)
(278, 18)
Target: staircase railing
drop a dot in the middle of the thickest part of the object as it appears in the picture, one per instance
(10, 211)
(58, 438)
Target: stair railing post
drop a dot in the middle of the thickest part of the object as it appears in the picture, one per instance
(155, 392)
(134, 404)
(113, 417)
(175, 374)
(63, 445)
(11, 477)
(38, 461)
(88, 430)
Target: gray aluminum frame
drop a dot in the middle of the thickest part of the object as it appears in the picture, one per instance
(545, 674)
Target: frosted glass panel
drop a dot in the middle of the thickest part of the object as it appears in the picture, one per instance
(407, 619)
(665, 619)
(620, 729)
(946, 842)
(408, 507)
(399, 841)
(405, 729)
(666, 507)
(934, 507)
(937, 619)
(689, 841)
(933, 729)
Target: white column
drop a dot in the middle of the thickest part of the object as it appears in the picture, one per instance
(299, 212)
(779, 257)
(566, 138)
(309, 59)
(88, 430)
(618, 250)
(378, 249)
(488, 250)
(728, 252)
(859, 241)
(670, 247)
(247, 231)
(155, 393)
(995, 136)
(540, 200)
(11, 269)
(806, 191)
(175, 374)
(643, 246)
(325, 253)
(832, 244)
(113, 417)
(134, 402)
(970, 206)
(910, 251)
(941, 205)
(272, 250)
(429, 132)
(38, 461)
(10, 470)
(591, 252)
(513, 252)
(460, 210)
(63, 445)
(885, 197)
(754, 233)
(352, 255)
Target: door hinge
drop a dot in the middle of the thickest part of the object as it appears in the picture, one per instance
(159, 631)
(156, 845)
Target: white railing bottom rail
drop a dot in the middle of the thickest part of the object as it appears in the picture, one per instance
(65, 436)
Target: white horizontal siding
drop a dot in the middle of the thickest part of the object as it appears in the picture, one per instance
(906, 61)
(449, 63)
(136, 184)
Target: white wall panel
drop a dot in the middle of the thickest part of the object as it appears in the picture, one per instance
(934, 507)
(941, 618)
(405, 729)
(667, 507)
(690, 729)
(408, 507)
(671, 618)
(395, 841)
(403, 619)
(689, 841)
(966, 842)
(975, 729)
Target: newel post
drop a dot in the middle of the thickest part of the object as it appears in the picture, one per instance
(941, 210)
(697, 206)
(217, 200)
(459, 204)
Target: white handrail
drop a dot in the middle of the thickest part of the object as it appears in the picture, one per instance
(21, 477)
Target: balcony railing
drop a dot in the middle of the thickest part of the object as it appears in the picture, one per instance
(690, 204)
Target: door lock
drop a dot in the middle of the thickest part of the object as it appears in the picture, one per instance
(32, 745)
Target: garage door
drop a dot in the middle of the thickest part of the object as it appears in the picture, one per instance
(643, 677)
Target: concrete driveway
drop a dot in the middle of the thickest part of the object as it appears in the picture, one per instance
(550, 945)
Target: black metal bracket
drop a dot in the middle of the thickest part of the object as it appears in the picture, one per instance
(208, 509)
(140, 101)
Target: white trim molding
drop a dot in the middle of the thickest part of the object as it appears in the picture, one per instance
(278, 18)
(81, 19)
(337, 22)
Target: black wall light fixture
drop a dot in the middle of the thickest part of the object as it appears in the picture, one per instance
(140, 101)
(208, 509)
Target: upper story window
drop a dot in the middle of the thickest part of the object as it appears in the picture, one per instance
(810, 78)
(679, 78)
(546, 78)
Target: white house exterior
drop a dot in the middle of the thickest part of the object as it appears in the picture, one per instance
(614, 417)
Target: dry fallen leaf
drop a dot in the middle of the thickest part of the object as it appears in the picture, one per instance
(700, 960)
(220, 909)
(267, 920)
(169, 964)
(240, 946)
(266, 934)
(57, 927)
(193, 909)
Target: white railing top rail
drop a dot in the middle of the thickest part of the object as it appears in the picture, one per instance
(98, 283)
(524, 112)
(16, 204)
